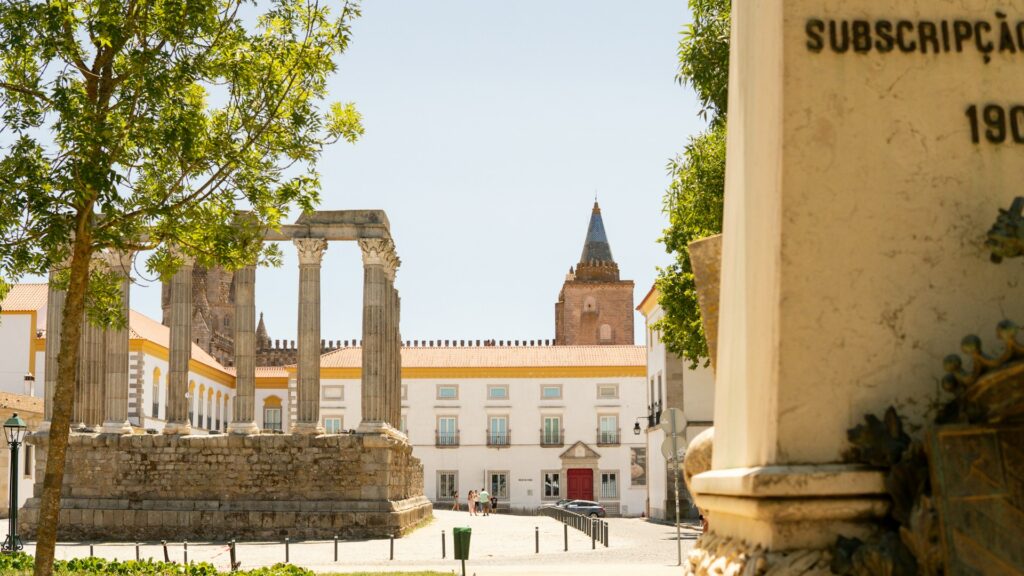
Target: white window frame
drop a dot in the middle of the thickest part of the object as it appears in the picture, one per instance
(558, 429)
(489, 485)
(454, 433)
(544, 387)
(493, 387)
(337, 429)
(266, 421)
(601, 418)
(491, 433)
(607, 494)
(443, 386)
(602, 388)
(545, 484)
(453, 485)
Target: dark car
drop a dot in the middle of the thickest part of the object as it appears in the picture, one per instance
(585, 507)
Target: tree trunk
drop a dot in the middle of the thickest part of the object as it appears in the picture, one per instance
(64, 393)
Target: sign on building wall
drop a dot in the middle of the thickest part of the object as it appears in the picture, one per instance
(638, 466)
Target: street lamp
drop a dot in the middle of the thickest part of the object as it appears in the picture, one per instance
(30, 381)
(14, 430)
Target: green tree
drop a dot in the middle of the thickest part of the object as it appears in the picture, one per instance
(694, 199)
(152, 125)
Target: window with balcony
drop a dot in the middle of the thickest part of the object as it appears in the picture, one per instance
(551, 431)
(552, 485)
(497, 392)
(447, 431)
(447, 392)
(332, 425)
(608, 429)
(551, 392)
(609, 485)
(497, 431)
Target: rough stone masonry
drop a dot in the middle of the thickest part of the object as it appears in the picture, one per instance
(124, 487)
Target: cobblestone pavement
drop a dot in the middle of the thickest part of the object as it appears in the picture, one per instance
(500, 544)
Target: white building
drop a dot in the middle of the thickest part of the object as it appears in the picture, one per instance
(672, 384)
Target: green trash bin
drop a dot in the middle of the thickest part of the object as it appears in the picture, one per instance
(461, 536)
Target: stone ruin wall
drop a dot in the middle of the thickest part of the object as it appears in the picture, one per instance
(221, 487)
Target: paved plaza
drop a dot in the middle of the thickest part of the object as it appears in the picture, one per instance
(501, 544)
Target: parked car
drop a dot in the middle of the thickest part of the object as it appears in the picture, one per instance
(585, 507)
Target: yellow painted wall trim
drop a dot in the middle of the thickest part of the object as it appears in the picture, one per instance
(498, 372)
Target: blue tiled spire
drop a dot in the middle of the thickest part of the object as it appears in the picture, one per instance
(596, 247)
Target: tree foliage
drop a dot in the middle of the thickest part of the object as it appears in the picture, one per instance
(186, 127)
(694, 199)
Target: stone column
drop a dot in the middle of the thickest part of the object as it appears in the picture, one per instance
(244, 413)
(307, 384)
(88, 408)
(396, 364)
(54, 315)
(180, 350)
(115, 398)
(379, 263)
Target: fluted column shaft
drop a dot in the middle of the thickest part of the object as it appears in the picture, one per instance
(307, 381)
(54, 315)
(181, 350)
(244, 412)
(115, 398)
(378, 375)
(395, 394)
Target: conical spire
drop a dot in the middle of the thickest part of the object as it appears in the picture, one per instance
(262, 338)
(596, 247)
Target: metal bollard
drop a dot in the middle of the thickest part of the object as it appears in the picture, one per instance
(90, 550)
(442, 545)
(335, 547)
(392, 547)
(234, 562)
(286, 551)
(605, 533)
(167, 557)
(186, 552)
(593, 535)
(536, 540)
(565, 536)
(137, 552)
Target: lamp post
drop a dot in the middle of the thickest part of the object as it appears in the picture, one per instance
(30, 381)
(14, 430)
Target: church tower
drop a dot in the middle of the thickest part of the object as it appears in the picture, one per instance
(595, 306)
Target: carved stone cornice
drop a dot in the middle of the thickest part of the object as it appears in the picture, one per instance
(380, 252)
(310, 250)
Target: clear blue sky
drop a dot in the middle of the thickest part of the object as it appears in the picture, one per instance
(490, 125)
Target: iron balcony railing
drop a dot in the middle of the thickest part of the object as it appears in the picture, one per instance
(446, 439)
(552, 437)
(608, 437)
(499, 438)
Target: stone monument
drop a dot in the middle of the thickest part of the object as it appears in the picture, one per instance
(870, 145)
(306, 484)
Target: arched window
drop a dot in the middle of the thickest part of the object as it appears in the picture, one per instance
(209, 409)
(201, 401)
(272, 413)
(605, 333)
(156, 393)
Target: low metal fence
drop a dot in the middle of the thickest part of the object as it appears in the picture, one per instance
(596, 528)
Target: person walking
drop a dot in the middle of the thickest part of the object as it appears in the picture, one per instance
(472, 502)
(485, 501)
(455, 500)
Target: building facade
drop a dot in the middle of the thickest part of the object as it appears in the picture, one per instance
(671, 383)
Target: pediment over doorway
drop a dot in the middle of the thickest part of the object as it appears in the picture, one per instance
(579, 451)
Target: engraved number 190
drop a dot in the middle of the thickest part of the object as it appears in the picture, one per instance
(997, 122)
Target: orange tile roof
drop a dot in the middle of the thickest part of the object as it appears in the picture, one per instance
(499, 356)
(263, 371)
(25, 298)
(145, 328)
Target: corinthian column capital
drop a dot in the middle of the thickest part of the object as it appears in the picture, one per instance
(119, 261)
(311, 250)
(380, 252)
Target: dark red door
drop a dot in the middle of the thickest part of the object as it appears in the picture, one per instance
(581, 484)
